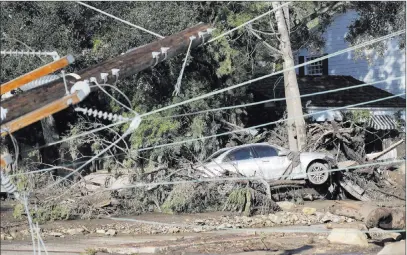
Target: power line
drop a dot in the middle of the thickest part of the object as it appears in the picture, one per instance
(221, 109)
(82, 134)
(235, 131)
(265, 76)
(135, 123)
(284, 98)
(234, 179)
(239, 85)
(121, 20)
(268, 123)
(118, 90)
(273, 74)
(246, 23)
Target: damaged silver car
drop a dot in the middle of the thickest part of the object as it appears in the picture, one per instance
(269, 162)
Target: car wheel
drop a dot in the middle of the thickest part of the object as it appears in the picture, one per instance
(317, 174)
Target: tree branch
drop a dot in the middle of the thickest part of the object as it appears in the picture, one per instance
(264, 42)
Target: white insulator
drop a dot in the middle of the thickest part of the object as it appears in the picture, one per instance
(115, 117)
(105, 115)
(101, 114)
(40, 82)
(7, 184)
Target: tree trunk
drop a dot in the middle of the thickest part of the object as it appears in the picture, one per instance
(296, 127)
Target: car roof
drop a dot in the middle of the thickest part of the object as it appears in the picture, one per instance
(248, 145)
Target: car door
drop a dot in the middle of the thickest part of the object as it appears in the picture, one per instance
(243, 161)
(271, 165)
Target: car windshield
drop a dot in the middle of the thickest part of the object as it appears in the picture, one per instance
(215, 155)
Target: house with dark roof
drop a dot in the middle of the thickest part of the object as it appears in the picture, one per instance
(387, 111)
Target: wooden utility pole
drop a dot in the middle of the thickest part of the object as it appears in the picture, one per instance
(296, 127)
(128, 64)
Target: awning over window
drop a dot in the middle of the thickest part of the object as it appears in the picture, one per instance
(382, 122)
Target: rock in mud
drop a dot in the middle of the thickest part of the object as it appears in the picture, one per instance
(13, 234)
(100, 231)
(111, 232)
(309, 210)
(224, 225)
(398, 248)
(56, 234)
(199, 222)
(348, 236)
(174, 230)
(286, 206)
(75, 231)
(380, 234)
(198, 229)
(275, 218)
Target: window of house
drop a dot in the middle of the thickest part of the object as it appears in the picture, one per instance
(316, 68)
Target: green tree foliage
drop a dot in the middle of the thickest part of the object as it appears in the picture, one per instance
(70, 28)
(377, 19)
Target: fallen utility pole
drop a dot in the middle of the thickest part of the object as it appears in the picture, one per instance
(120, 67)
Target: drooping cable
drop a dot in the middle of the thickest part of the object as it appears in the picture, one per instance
(274, 73)
(133, 126)
(177, 87)
(284, 98)
(246, 23)
(252, 127)
(243, 178)
(117, 89)
(121, 20)
(268, 123)
(112, 97)
(210, 110)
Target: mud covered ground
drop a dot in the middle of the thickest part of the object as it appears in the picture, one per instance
(298, 229)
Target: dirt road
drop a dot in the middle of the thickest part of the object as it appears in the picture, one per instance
(301, 229)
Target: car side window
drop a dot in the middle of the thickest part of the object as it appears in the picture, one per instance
(240, 154)
(264, 151)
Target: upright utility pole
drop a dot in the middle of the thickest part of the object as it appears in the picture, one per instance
(296, 127)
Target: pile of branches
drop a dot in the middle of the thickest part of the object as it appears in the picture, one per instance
(344, 140)
(79, 201)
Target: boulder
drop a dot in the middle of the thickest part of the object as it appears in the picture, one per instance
(56, 234)
(348, 236)
(309, 210)
(378, 233)
(398, 248)
(286, 206)
(111, 232)
(75, 231)
(275, 218)
(100, 231)
(174, 230)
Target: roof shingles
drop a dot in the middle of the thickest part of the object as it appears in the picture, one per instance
(310, 84)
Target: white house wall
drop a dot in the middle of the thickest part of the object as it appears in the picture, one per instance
(392, 64)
